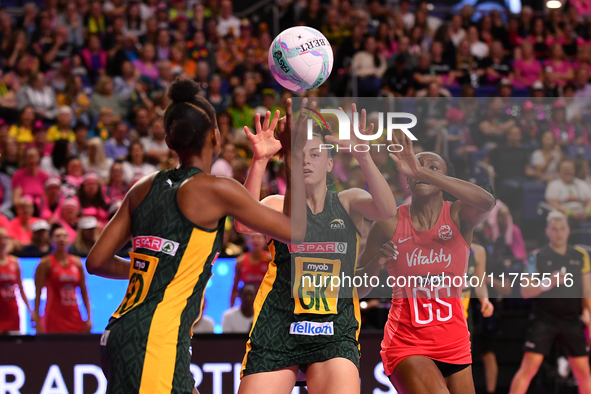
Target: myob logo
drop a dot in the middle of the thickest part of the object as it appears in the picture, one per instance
(345, 129)
(311, 328)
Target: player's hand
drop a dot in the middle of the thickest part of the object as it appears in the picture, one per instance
(300, 131)
(487, 308)
(406, 161)
(388, 251)
(354, 139)
(36, 322)
(264, 143)
(87, 325)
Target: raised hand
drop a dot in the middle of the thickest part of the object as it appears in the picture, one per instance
(264, 143)
(406, 161)
(388, 251)
(285, 129)
(355, 140)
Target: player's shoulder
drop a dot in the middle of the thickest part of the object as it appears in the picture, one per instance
(580, 251)
(478, 248)
(274, 201)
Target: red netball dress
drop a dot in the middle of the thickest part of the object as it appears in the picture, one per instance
(9, 319)
(252, 273)
(427, 318)
(61, 310)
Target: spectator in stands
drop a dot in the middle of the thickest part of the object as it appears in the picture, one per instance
(20, 226)
(136, 167)
(142, 124)
(581, 170)
(74, 97)
(117, 148)
(96, 161)
(39, 96)
(505, 236)
(226, 22)
(116, 188)
(61, 273)
(145, 65)
(86, 236)
(104, 97)
(528, 69)
(78, 146)
(55, 165)
(51, 201)
(40, 244)
(495, 124)
(241, 114)
(23, 130)
(239, 320)
(40, 140)
(5, 196)
(512, 168)
(398, 79)
(468, 69)
(124, 84)
(29, 180)
(251, 266)
(205, 324)
(94, 57)
(568, 194)
(92, 201)
(477, 47)
(545, 160)
(74, 174)
(10, 157)
(61, 130)
(564, 131)
(369, 67)
(68, 217)
(497, 66)
(559, 68)
(155, 145)
(223, 165)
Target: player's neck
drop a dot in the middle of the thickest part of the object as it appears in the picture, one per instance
(61, 256)
(560, 249)
(425, 212)
(316, 198)
(195, 161)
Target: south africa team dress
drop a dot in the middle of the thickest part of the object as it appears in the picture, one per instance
(146, 345)
(424, 320)
(304, 324)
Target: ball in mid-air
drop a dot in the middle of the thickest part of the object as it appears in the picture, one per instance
(300, 58)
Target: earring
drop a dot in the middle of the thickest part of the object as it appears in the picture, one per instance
(408, 187)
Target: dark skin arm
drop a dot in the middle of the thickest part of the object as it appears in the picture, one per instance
(234, 294)
(41, 274)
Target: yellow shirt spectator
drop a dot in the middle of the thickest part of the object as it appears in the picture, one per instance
(22, 135)
(55, 133)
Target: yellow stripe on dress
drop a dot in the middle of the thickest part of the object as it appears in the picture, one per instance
(355, 295)
(264, 290)
(161, 350)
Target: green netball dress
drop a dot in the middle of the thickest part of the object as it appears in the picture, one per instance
(299, 317)
(146, 345)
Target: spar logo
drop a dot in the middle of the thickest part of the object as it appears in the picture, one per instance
(319, 247)
(311, 328)
(345, 129)
(156, 244)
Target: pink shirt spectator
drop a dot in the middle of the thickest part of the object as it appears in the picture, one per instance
(149, 71)
(69, 229)
(100, 214)
(530, 72)
(18, 233)
(32, 186)
(558, 67)
(46, 151)
(4, 222)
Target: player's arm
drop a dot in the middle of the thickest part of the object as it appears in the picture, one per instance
(586, 278)
(265, 146)
(41, 274)
(378, 250)
(19, 283)
(102, 260)
(481, 291)
(84, 292)
(234, 294)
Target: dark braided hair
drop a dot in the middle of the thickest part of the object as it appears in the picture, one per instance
(451, 171)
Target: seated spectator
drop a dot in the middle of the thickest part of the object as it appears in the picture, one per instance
(441, 65)
(146, 65)
(6, 195)
(527, 69)
(96, 161)
(398, 79)
(511, 165)
(40, 140)
(497, 66)
(478, 48)
(219, 100)
(136, 167)
(51, 202)
(29, 180)
(369, 67)
(116, 188)
(69, 211)
(155, 146)
(74, 175)
(506, 237)
(104, 126)
(142, 124)
(104, 97)
(38, 95)
(568, 194)
(581, 170)
(545, 160)
(564, 131)
(223, 165)
(468, 70)
(239, 320)
(23, 130)
(423, 74)
(496, 123)
(241, 114)
(179, 62)
(560, 68)
(55, 165)
(78, 146)
(86, 237)
(62, 130)
(10, 157)
(94, 57)
(92, 201)
(124, 84)
(20, 227)
(117, 148)
(40, 242)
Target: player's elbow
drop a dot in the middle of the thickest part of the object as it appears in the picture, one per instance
(92, 264)
(297, 236)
